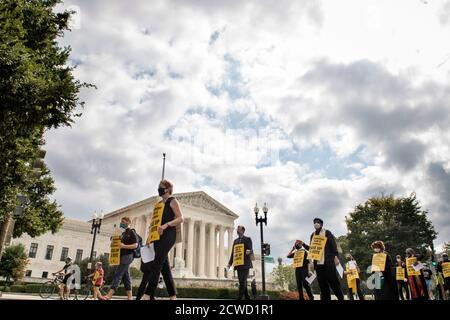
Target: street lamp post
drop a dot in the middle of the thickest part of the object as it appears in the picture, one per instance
(95, 228)
(260, 220)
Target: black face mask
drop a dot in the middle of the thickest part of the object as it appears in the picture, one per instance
(297, 246)
(161, 191)
(349, 259)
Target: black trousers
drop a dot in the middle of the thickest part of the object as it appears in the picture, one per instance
(358, 291)
(300, 276)
(162, 248)
(242, 277)
(327, 277)
(403, 285)
(168, 280)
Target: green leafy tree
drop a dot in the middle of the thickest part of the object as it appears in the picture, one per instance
(37, 92)
(284, 275)
(135, 273)
(14, 262)
(447, 247)
(399, 222)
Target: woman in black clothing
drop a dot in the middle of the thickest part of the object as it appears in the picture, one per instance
(301, 273)
(171, 217)
(388, 290)
(402, 283)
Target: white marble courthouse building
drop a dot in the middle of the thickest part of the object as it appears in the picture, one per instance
(201, 258)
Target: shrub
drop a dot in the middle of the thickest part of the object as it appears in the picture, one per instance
(33, 288)
(18, 288)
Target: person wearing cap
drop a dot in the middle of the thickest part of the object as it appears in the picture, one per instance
(326, 265)
(97, 280)
(67, 271)
(402, 283)
(387, 289)
(416, 282)
(445, 284)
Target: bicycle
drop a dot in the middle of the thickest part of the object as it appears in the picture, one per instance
(50, 289)
(87, 291)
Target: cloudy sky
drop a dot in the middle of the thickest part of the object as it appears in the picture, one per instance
(311, 106)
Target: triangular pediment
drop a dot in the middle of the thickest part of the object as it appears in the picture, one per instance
(195, 199)
(203, 200)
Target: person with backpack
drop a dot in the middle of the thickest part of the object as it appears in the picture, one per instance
(166, 217)
(129, 244)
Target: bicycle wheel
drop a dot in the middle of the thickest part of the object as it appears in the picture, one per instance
(85, 292)
(104, 290)
(47, 290)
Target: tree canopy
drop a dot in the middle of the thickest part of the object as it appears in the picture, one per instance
(399, 222)
(37, 92)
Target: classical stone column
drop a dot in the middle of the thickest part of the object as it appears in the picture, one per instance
(221, 251)
(201, 251)
(212, 251)
(179, 251)
(190, 245)
(230, 248)
(142, 229)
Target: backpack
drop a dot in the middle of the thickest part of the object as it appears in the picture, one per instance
(137, 251)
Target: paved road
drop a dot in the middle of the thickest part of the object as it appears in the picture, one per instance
(23, 296)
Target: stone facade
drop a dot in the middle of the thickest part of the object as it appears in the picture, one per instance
(199, 260)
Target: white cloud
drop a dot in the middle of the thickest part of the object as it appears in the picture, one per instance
(361, 84)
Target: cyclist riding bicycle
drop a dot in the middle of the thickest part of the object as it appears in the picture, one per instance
(68, 279)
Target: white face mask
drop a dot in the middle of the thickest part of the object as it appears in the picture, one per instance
(317, 226)
(377, 250)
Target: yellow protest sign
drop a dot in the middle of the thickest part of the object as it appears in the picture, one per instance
(114, 256)
(400, 274)
(378, 261)
(409, 267)
(352, 275)
(317, 247)
(238, 255)
(156, 222)
(446, 269)
(299, 257)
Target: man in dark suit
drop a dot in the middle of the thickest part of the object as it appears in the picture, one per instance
(242, 270)
(326, 265)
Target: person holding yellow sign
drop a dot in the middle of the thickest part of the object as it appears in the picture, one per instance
(166, 217)
(416, 280)
(382, 263)
(323, 251)
(352, 272)
(400, 276)
(128, 242)
(240, 258)
(443, 269)
(299, 254)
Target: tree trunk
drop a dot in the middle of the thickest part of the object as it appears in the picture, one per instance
(5, 227)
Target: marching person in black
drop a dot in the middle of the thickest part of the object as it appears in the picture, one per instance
(444, 284)
(388, 285)
(301, 273)
(242, 270)
(326, 266)
(402, 283)
(171, 218)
